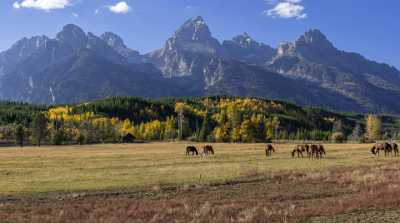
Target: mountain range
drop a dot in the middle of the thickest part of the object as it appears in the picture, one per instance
(76, 67)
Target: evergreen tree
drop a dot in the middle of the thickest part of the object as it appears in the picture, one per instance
(39, 128)
(19, 135)
(205, 128)
(58, 137)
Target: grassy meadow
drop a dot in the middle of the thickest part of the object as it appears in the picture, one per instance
(72, 168)
(156, 182)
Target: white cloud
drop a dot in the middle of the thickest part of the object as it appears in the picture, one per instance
(294, 1)
(287, 9)
(120, 8)
(16, 5)
(46, 5)
(75, 15)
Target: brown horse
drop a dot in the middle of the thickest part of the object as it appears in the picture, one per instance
(314, 151)
(308, 150)
(191, 150)
(299, 149)
(269, 150)
(395, 149)
(388, 149)
(321, 151)
(374, 150)
(317, 151)
(377, 148)
(208, 150)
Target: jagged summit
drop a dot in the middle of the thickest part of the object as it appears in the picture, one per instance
(194, 29)
(245, 40)
(79, 66)
(314, 37)
(116, 42)
(245, 48)
(73, 35)
(113, 40)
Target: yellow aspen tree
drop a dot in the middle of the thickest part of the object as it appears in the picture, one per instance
(373, 128)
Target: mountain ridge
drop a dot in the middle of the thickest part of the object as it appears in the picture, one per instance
(308, 71)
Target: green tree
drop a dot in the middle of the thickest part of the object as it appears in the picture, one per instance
(19, 135)
(39, 128)
(58, 137)
(80, 138)
(205, 128)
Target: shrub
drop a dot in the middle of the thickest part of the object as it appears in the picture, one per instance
(338, 137)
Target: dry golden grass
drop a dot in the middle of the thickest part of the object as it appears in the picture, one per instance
(97, 167)
(157, 183)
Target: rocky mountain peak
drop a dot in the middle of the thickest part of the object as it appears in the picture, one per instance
(286, 48)
(116, 42)
(73, 35)
(244, 40)
(194, 29)
(113, 40)
(315, 38)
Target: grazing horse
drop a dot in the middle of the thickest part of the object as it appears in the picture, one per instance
(374, 150)
(377, 148)
(299, 149)
(314, 150)
(321, 151)
(208, 150)
(269, 150)
(317, 151)
(308, 150)
(388, 149)
(191, 150)
(395, 149)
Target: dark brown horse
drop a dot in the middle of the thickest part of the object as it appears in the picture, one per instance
(388, 148)
(313, 151)
(269, 150)
(395, 148)
(299, 149)
(321, 151)
(208, 150)
(317, 151)
(191, 150)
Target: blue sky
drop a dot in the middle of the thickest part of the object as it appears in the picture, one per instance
(367, 27)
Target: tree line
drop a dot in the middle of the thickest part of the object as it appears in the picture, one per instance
(211, 119)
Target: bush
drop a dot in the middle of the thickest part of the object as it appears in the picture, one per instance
(80, 139)
(58, 137)
(338, 137)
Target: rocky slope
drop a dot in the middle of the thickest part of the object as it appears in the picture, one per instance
(77, 66)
